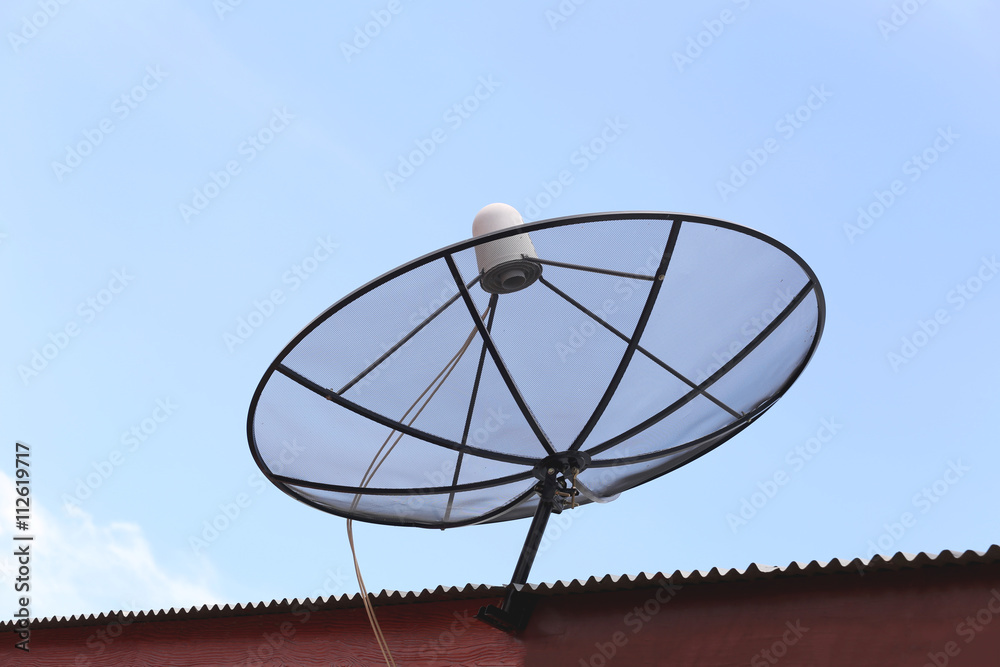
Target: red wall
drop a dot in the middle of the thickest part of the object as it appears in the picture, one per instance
(911, 617)
(880, 619)
(434, 634)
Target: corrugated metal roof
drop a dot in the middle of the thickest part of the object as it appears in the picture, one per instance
(899, 561)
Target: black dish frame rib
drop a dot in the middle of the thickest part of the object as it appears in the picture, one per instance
(696, 448)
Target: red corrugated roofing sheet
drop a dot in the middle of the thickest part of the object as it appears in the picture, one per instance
(899, 561)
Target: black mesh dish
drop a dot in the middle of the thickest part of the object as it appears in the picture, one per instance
(422, 400)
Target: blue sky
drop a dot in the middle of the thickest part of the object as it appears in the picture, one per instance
(167, 167)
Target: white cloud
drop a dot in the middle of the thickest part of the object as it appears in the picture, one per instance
(82, 567)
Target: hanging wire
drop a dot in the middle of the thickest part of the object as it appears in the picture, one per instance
(369, 609)
(373, 467)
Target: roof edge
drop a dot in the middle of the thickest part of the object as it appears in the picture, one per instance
(608, 582)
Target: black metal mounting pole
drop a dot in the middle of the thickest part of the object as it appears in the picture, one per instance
(546, 505)
(513, 614)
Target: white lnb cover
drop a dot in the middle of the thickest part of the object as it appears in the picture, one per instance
(508, 253)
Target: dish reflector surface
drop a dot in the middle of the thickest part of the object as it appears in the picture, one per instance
(648, 340)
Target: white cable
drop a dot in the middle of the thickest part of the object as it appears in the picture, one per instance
(590, 495)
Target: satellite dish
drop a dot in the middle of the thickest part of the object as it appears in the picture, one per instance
(534, 368)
